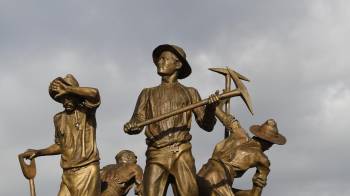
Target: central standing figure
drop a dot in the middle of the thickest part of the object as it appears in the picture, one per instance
(169, 156)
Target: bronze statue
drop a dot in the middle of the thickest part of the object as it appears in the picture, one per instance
(117, 179)
(233, 156)
(169, 156)
(75, 137)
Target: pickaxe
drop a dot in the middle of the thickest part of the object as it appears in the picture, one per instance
(236, 77)
(241, 90)
(29, 172)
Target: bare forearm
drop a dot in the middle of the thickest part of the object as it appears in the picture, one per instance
(221, 115)
(54, 149)
(256, 191)
(89, 93)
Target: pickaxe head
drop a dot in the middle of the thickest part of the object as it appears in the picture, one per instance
(225, 72)
(236, 77)
(244, 92)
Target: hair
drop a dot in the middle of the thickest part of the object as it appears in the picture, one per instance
(124, 153)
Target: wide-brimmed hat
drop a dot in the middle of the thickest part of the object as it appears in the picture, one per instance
(185, 69)
(68, 80)
(269, 132)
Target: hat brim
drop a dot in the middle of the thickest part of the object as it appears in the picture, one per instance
(278, 139)
(185, 69)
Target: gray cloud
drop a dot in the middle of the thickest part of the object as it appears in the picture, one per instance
(294, 52)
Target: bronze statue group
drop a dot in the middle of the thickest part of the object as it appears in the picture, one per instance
(169, 159)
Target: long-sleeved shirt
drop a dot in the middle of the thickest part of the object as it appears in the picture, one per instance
(167, 97)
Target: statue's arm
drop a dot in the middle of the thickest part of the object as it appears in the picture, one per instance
(231, 123)
(138, 180)
(204, 115)
(91, 95)
(139, 114)
(260, 176)
(54, 149)
(88, 93)
(259, 181)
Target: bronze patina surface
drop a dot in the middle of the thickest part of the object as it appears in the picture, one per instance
(117, 179)
(233, 156)
(75, 137)
(169, 156)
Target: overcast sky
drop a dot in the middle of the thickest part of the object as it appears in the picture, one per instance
(294, 52)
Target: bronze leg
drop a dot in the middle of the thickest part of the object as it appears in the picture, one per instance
(155, 180)
(184, 171)
(63, 190)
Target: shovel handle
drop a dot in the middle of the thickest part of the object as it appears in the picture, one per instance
(32, 187)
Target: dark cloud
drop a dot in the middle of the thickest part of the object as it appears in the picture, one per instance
(293, 52)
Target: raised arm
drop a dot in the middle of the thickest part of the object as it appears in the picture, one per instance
(231, 123)
(90, 94)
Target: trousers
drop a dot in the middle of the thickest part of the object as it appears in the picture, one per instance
(82, 181)
(173, 165)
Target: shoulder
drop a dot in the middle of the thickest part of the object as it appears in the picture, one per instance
(145, 91)
(57, 116)
(260, 156)
(264, 160)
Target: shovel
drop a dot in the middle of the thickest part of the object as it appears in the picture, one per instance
(29, 172)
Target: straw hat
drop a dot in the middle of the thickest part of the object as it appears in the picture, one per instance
(68, 80)
(269, 132)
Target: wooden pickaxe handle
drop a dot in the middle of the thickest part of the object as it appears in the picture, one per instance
(222, 96)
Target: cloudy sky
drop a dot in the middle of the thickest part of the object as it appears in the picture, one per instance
(294, 52)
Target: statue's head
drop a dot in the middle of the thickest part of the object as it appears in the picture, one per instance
(69, 102)
(170, 59)
(126, 156)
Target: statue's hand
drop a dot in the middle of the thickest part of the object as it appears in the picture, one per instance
(30, 154)
(59, 87)
(214, 98)
(131, 128)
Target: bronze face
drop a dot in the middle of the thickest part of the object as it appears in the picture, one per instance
(69, 103)
(167, 64)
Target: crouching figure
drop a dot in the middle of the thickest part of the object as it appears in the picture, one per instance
(117, 179)
(233, 156)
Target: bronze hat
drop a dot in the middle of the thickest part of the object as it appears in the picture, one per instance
(185, 70)
(68, 80)
(269, 132)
